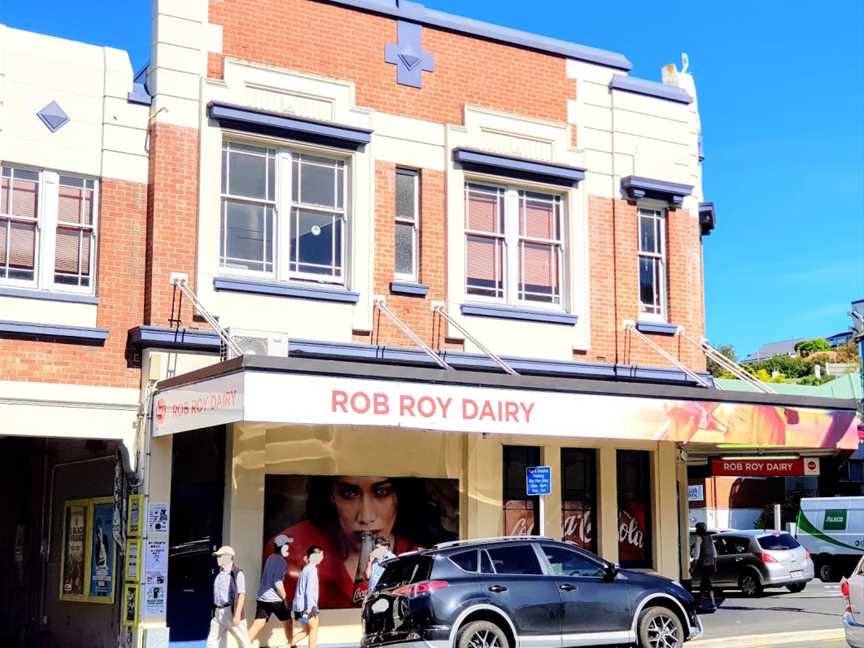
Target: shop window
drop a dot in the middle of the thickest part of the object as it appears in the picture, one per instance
(520, 511)
(634, 508)
(295, 233)
(407, 243)
(514, 245)
(652, 264)
(516, 559)
(578, 496)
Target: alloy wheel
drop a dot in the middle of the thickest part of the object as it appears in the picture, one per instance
(663, 632)
(484, 639)
(749, 585)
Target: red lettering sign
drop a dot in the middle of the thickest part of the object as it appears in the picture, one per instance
(763, 467)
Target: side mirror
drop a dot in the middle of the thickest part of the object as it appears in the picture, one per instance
(610, 570)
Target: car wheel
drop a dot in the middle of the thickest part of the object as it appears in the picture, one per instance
(796, 587)
(482, 634)
(828, 573)
(660, 627)
(750, 583)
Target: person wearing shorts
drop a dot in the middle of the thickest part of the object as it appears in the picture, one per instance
(271, 598)
(305, 605)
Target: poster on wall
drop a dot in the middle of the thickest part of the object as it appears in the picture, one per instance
(132, 568)
(518, 517)
(102, 551)
(130, 605)
(157, 518)
(344, 514)
(133, 521)
(73, 562)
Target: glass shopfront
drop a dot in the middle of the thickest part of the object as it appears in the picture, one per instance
(634, 508)
(579, 496)
(520, 511)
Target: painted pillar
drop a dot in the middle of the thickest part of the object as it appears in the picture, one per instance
(607, 503)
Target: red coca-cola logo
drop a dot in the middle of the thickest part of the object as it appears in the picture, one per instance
(161, 411)
(576, 527)
(629, 531)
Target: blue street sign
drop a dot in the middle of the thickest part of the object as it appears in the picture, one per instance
(538, 480)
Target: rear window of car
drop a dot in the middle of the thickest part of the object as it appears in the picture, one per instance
(405, 571)
(778, 542)
(466, 560)
(515, 559)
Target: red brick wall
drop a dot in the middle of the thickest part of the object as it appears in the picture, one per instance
(614, 287)
(120, 288)
(172, 217)
(347, 44)
(416, 312)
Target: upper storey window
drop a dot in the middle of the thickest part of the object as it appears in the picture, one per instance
(47, 230)
(514, 245)
(652, 264)
(283, 213)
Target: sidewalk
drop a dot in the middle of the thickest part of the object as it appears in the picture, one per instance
(774, 639)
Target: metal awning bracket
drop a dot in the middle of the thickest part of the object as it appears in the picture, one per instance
(380, 305)
(442, 311)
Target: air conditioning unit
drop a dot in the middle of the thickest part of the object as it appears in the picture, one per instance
(252, 342)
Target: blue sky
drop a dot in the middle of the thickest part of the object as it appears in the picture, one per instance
(781, 94)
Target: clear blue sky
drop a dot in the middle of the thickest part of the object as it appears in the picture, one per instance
(781, 93)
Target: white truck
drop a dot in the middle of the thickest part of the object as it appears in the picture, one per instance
(832, 530)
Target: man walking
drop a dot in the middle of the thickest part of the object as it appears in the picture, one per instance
(374, 568)
(271, 598)
(305, 605)
(705, 566)
(229, 597)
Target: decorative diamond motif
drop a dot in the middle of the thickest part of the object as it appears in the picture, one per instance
(408, 55)
(409, 60)
(53, 117)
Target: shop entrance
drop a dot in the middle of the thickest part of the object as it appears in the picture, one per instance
(197, 485)
(47, 597)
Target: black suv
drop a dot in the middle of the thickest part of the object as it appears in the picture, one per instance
(522, 592)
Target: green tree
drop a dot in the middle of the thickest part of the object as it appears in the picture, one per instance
(806, 347)
(716, 369)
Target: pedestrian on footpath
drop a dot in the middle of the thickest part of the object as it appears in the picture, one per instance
(229, 597)
(272, 598)
(374, 568)
(305, 604)
(705, 565)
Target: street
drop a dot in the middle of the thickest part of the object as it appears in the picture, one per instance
(817, 608)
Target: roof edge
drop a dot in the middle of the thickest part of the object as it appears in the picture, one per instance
(416, 12)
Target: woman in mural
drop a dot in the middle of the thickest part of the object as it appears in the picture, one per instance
(345, 514)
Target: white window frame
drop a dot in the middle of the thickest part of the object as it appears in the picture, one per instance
(511, 245)
(414, 275)
(657, 215)
(47, 219)
(283, 215)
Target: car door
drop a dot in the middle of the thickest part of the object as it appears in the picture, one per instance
(519, 587)
(727, 565)
(592, 603)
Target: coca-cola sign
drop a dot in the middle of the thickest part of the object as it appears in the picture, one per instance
(577, 524)
(632, 534)
(518, 517)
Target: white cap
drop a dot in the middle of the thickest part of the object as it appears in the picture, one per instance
(224, 551)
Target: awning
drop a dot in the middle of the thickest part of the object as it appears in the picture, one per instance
(324, 392)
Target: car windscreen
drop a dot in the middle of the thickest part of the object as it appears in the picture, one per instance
(405, 571)
(778, 542)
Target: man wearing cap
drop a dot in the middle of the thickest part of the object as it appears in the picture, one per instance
(271, 597)
(229, 597)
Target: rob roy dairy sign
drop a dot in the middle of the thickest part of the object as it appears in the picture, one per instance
(807, 466)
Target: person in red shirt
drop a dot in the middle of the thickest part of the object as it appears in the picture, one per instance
(344, 515)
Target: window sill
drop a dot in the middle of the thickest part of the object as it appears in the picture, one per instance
(24, 293)
(408, 288)
(524, 314)
(49, 332)
(657, 328)
(278, 289)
